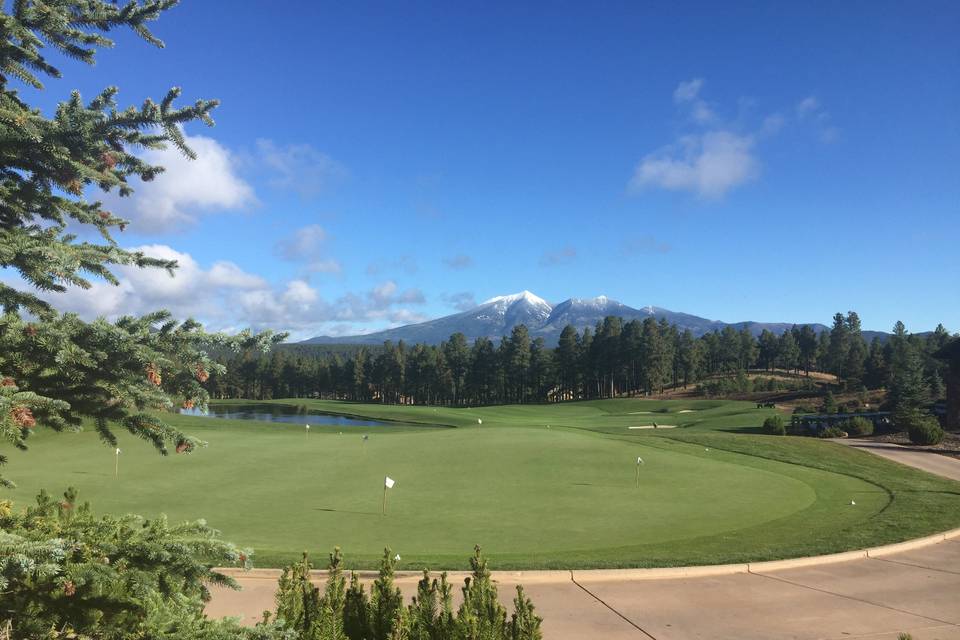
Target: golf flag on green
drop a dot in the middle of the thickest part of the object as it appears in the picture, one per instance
(388, 483)
(639, 462)
(116, 468)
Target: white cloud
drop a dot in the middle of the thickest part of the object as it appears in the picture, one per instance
(810, 110)
(461, 301)
(563, 255)
(304, 246)
(388, 293)
(807, 106)
(720, 156)
(702, 114)
(688, 94)
(186, 189)
(710, 164)
(299, 167)
(225, 297)
(773, 123)
(405, 264)
(688, 90)
(458, 262)
(645, 245)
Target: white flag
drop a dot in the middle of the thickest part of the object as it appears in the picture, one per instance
(639, 460)
(118, 451)
(389, 482)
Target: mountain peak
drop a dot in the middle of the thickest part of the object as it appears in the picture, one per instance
(499, 315)
(523, 295)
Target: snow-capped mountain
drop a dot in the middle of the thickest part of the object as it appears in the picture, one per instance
(498, 316)
(518, 308)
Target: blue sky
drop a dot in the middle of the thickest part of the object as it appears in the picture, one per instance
(380, 163)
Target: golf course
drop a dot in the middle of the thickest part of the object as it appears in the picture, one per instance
(538, 486)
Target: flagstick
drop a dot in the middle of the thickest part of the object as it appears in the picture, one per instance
(638, 476)
(116, 469)
(383, 507)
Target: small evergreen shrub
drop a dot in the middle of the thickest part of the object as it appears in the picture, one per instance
(774, 426)
(343, 611)
(833, 431)
(925, 430)
(829, 403)
(857, 426)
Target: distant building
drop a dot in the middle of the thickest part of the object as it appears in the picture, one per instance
(950, 354)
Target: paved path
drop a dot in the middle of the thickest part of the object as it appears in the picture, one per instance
(915, 457)
(916, 592)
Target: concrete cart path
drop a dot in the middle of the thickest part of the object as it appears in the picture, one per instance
(935, 463)
(915, 591)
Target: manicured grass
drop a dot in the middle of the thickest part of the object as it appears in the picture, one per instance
(537, 486)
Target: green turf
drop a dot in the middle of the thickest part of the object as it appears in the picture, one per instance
(532, 495)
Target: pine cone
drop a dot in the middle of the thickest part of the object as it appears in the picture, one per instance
(23, 417)
(8, 382)
(104, 215)
(108, 159)
(69, 588)
(201, 373)
(183, 446)
(188, 404)
(30, 330)
(153, 374)
(75, 187)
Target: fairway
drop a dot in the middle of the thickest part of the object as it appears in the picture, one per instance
(536, 486)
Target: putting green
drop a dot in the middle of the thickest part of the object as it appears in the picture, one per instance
(532, 496)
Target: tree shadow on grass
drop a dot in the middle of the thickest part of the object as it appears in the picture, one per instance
(751, 430)
(356, 513)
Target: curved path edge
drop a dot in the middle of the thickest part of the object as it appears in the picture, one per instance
(659, 573)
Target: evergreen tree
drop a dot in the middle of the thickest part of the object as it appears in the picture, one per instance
(788, 351)
(457, 355)
(875, 370)
(691, 357)
(807, 343)
(524, 623)
(907, 391)
(66, 572)
(568, 356)
(64, 369)
(430, 615)
(749, 350)
(769, 348)
(481, 615)
(356, 610)
(385, 600)
(839, 345)
(855, 359)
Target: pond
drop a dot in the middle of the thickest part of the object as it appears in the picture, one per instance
(279, 413)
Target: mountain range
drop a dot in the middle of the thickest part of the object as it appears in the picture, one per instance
(498, 316)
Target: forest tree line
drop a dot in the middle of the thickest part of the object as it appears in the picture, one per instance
(615, 358)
